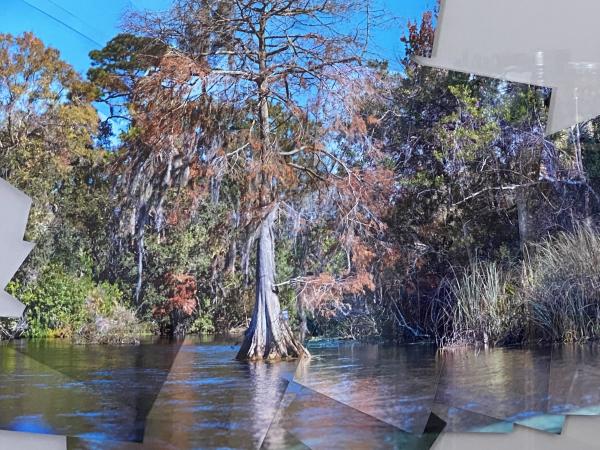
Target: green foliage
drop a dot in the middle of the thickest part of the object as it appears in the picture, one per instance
(57, 303)
(54, 303)
(204, 322)
(286, 264)
(114, 71)
(124, 54)
(190, 248)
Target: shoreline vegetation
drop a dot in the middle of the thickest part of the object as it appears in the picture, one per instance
(194, 182)
(551, 296)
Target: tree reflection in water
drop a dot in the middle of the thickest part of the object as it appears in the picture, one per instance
(347, 395)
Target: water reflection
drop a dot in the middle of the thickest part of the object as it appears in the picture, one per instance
(94, 391)
(507, 384)
(212, 401)
(396, 385)
(35, 398)
(574, 380)
(320, 422)
(348, 395)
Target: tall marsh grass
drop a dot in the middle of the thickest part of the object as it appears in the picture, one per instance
(486, 309)
(553, 296)
(561, 285)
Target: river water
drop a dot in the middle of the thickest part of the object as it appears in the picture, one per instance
(193, 394)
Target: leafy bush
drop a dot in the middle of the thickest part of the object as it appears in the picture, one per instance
(203, 323)
(118, 326)
(54, 302)
(60, 304)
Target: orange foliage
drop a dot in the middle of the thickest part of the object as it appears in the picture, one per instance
(182, 295)
(324, 293)
(363, 200)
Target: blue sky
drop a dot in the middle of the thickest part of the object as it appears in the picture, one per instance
(77, 26)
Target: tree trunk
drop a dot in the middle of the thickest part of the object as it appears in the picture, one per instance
(269, 335)
(524, 216)
(303, 318)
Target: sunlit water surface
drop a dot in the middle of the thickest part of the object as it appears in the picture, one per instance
(193, 394)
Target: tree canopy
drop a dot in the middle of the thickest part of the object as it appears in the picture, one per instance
(252, 166)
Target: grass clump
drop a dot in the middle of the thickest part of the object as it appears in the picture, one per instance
(552, 296)
(486, 309)
(561, 285)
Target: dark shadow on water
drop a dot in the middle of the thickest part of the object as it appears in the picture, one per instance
(99, 391)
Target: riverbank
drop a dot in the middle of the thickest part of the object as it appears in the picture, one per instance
(549, 296)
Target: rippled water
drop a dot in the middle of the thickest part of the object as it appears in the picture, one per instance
(193, 394)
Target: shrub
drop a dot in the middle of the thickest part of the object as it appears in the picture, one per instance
(203, 323)
(60, 304)
(119, 326)
(54, 302)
